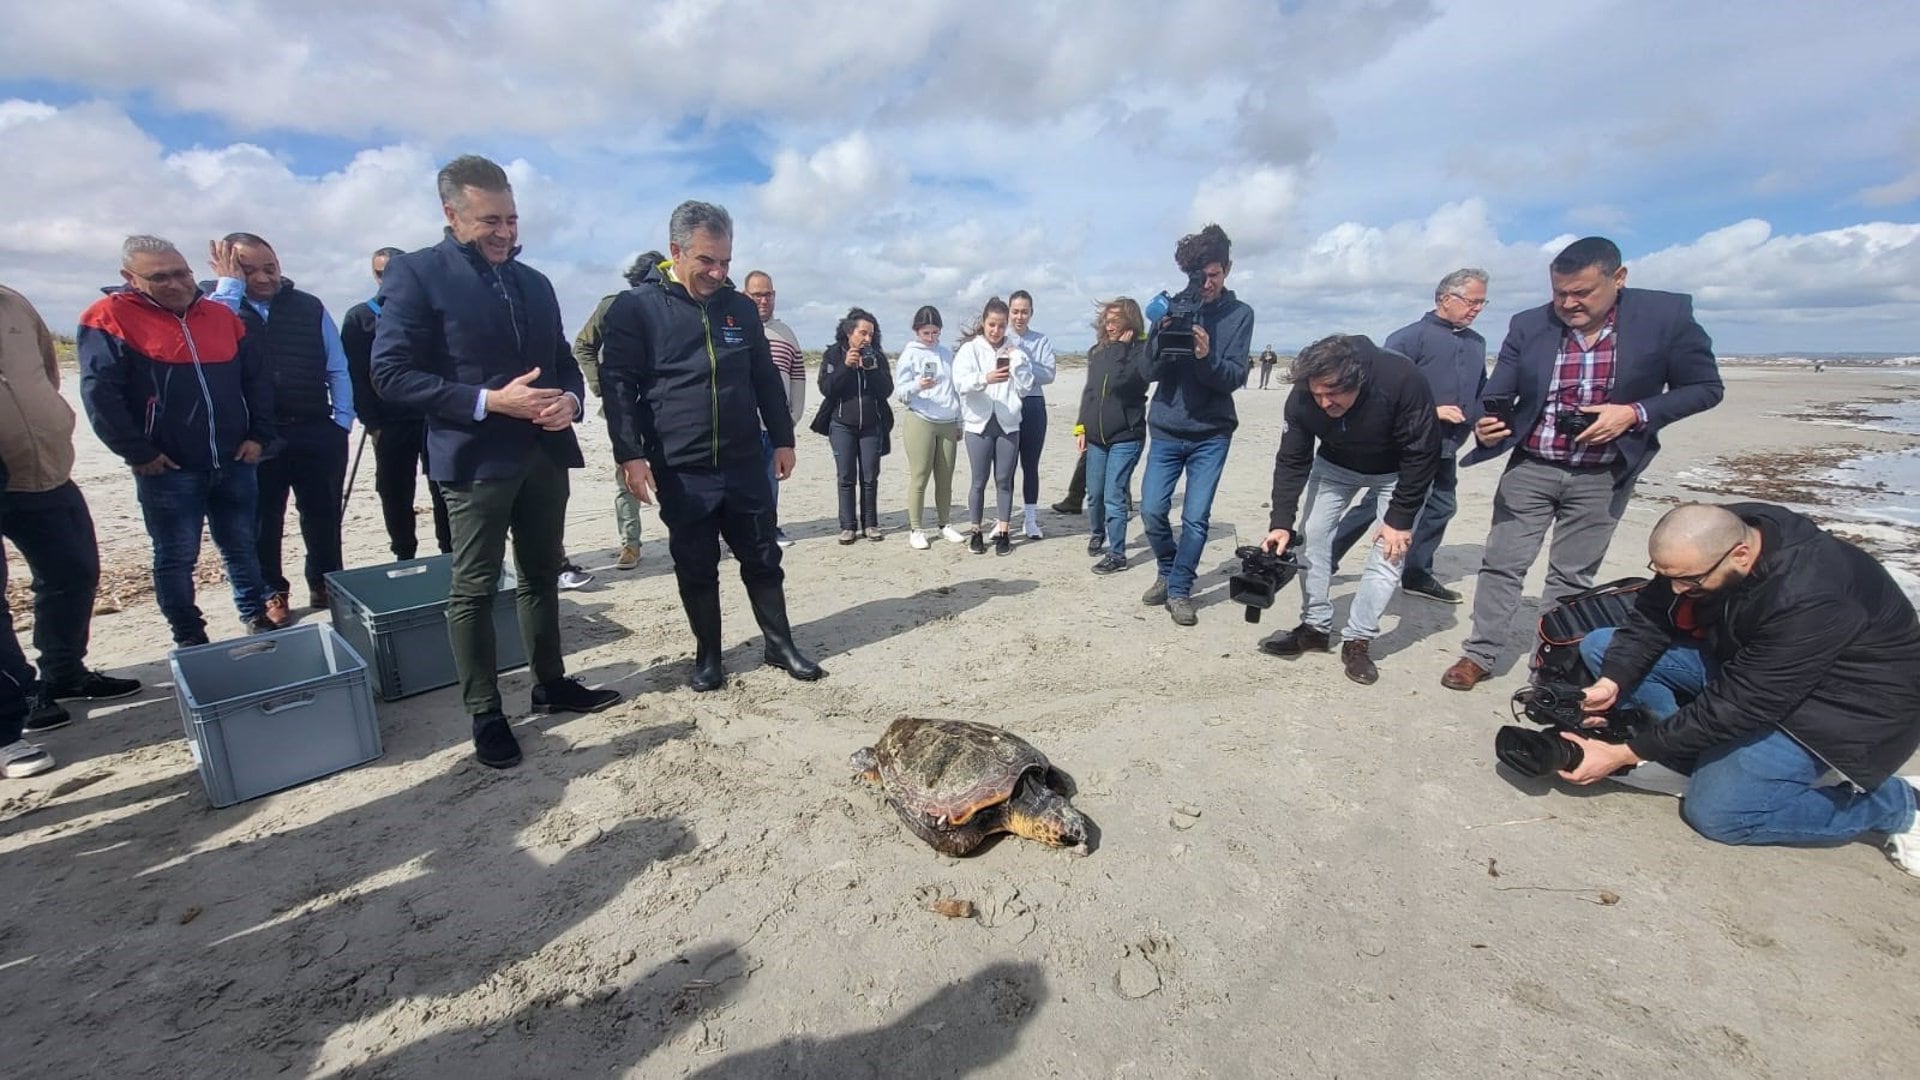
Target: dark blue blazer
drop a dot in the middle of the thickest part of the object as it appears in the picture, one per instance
(1662, 361)
(444, 332)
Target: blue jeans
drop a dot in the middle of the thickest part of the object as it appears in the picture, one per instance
(1331, 491)
(1202, 462)
(1428, 529)
(1109, 477)
(1760, 789)
(175, 504)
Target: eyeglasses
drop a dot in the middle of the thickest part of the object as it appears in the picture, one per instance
(1694, 581)
(768, 295)
(1470, 303)
(166, 275)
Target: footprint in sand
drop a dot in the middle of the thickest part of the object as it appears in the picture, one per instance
(1143, 967)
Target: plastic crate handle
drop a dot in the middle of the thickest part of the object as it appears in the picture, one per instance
(287, 704)
(407, 571)
(252, 648)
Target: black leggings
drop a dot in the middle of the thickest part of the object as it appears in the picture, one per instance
(856, 459)
(1033, 436)
(994, 450)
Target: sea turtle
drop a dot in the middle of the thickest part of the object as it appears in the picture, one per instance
(955, 783)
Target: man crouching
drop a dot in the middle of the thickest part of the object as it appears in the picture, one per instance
(1780, 667)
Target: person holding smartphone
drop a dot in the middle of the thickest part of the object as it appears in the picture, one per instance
(855, 382)
(924, 377)
(992, 373)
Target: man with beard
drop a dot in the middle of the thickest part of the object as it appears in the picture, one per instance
(1780, 666)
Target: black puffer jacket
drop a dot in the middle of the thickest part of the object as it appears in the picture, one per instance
(1819, 641)
(1113, 407)
(689, 384)
(857, 397)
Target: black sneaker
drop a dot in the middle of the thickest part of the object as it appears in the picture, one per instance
(1066, 507)
(95, 686)
(1112, 564)
(1002, 543)
(261, 625)
(191, 640)
(493, 742)
(976, 543)
(1156, 593)
(1430, 589)
(1294, 642)
(1096, 545)
(567, 695)
(44, 713)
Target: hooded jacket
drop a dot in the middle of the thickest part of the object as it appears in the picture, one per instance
(1818, 641)
(939, 403)
(689, 383)
(981, 401)
(1113, 406)
(189, 386)
(1194, 400)
(856, 397)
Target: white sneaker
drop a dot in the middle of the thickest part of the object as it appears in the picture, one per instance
(574, 578)
(953, 535)
(23, 759)
(781, 538)
(1033, 524)
(1904, 847)
(918, 541)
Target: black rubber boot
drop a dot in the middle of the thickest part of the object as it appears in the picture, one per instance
(770, 609)
(703, 614)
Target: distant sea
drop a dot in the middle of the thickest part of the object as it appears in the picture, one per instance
(1896, 474)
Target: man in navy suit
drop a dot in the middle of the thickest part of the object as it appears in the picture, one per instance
(471, 337)
(1594, 375)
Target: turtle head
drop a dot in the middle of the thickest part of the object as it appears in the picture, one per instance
(865, 765)
(1037, 812)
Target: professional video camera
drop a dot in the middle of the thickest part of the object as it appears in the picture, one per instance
(1556, 707)
(1183, 311)
(1262, 575)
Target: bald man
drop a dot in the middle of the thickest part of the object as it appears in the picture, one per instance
(1781, 667)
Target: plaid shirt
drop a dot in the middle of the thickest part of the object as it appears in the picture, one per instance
(1582, 375)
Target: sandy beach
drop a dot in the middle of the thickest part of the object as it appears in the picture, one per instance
(1294, 875)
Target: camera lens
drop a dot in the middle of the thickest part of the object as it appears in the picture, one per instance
(1535, 753)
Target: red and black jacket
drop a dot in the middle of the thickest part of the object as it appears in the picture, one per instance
(187, 386)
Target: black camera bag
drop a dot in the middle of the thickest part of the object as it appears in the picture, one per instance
(1556, 659)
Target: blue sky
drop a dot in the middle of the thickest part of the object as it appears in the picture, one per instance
(1763, 156)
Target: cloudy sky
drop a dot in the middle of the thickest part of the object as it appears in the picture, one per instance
(1764, 155)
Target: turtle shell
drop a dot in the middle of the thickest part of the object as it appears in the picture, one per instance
(949, 770)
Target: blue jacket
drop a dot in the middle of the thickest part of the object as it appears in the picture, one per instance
(1662, 361)
(1454, 360)
(1194, 401)
(451, 324)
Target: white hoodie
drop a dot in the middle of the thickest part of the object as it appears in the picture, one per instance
(939, 403)
(980, 401)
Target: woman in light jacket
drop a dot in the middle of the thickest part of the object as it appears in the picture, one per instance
(855, 383)
(992, 373)
(1112, 428)
(924, 376)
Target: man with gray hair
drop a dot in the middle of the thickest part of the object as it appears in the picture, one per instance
(1372, 415)
(1453, 357)
(471, 337)
(173, 385)
(690, 382)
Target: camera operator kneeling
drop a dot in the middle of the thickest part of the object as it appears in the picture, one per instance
(1780, 667)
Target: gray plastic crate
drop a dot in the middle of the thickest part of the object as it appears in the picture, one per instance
(267, 712)
(396, 616)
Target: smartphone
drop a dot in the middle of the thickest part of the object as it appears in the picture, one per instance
(930, 368)
(1003, 362)
(1500, 406)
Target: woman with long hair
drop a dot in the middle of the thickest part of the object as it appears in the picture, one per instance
(1113, 425)
(992, 373)
(855, 382)
(924, 375)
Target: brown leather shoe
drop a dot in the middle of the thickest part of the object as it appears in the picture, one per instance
(1464, 675)
(1359, 665)
(319, 600)
(279, 611)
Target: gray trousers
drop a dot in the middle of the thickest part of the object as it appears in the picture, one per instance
(1582, 505)
(996, 451)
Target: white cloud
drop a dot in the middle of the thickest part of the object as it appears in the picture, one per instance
(1257, 204)
(824, 187)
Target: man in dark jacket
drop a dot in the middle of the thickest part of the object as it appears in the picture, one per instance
(313, 406)
(399, 435)
(1192, 420)
(1595, 374)
(690, 382)
(173, 385)
(1453, 356)
(471, 337)
(1371, 412)
(1112, 428)
(1781, 667)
